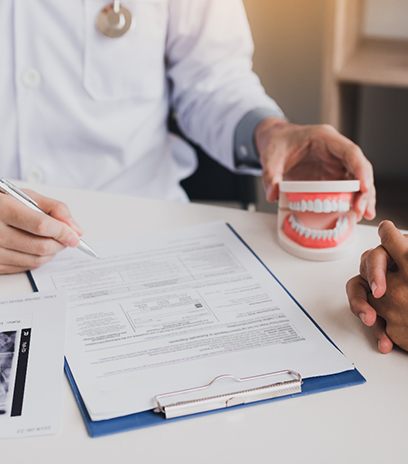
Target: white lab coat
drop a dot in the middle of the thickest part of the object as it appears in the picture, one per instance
(82, 110)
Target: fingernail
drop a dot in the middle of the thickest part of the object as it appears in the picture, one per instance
(363, 318)
(374, 288)
(381, 348)
(73, 241)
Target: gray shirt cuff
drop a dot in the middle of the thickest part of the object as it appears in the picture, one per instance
(245, 151)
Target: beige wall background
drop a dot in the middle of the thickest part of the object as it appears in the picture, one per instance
(288, 55)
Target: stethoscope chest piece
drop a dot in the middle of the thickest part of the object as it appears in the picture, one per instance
(114, 20)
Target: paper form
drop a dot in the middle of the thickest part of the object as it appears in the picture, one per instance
(31, 365)
(173, 311)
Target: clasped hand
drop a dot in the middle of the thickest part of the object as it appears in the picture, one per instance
(379, 295)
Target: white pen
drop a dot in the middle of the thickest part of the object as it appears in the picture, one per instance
(7, 187)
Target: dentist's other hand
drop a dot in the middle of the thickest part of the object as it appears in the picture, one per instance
(379, 295)
(319, 152)
(28, 238)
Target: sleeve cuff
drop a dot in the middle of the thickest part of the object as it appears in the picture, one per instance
(246, 155)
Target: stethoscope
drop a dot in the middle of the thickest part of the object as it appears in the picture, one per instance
(114, 20)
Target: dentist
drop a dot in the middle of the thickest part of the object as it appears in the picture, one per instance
(86, 88)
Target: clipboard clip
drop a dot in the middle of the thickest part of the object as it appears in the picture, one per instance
(190, 401)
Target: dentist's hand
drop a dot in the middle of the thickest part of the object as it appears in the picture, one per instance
(28, 238)
(319, 152)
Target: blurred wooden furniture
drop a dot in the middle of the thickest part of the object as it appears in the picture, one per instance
(353, 59)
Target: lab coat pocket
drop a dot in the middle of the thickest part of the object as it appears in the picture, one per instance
(131, 66)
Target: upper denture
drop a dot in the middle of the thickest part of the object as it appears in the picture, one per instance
(319, 202)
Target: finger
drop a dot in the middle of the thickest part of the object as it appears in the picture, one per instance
(273, 172)
(373, 268)
(360, 205)
(384, 343)
(394, 243)
(19, 216)
(5, 269)
(357, 289)
(271, 185)
(22, 260)
(18, 240)
(370, 212)
(352, 157)
(56, 209)
(364, 205)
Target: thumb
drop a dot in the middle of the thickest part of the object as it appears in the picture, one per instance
(274, 170)
(272, 189)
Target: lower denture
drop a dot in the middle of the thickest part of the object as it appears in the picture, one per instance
(310, 242)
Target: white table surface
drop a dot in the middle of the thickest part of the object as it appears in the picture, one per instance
(363, 424)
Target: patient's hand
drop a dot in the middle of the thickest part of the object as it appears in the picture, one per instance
(379, 295)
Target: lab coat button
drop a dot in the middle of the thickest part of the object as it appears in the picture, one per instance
(31, 78)
(35, 175)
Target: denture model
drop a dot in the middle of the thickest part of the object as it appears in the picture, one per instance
(315, 220)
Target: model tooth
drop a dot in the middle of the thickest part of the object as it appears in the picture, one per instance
(336, 234)
(344, 224)
(327, 206)
(314, 235)
(344, 206)
(335, 206)
(310, 205)
(302, 230)
(308, 233)
(303, 206)
(318, 206)
(330, 234)
(320, 234)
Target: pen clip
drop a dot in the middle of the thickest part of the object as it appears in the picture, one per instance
(6, 186)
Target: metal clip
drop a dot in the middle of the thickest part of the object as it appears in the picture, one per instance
(226, 400)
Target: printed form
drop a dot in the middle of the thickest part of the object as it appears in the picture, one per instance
(173, 311)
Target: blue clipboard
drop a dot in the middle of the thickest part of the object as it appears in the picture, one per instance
(150, 418)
